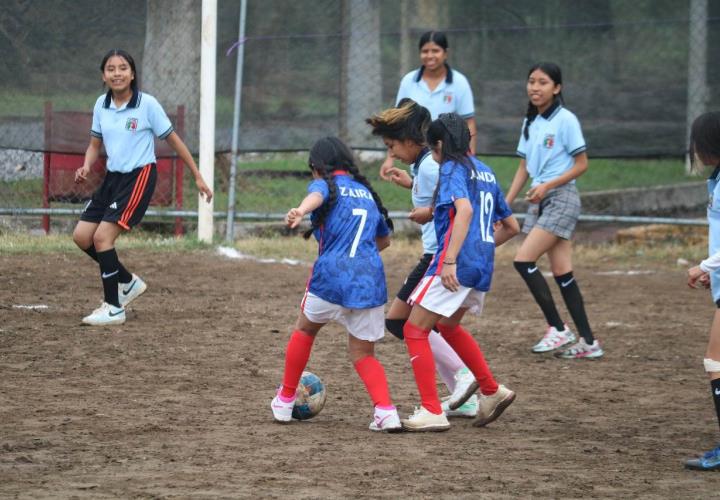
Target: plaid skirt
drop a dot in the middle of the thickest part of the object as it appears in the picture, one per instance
(556, 213)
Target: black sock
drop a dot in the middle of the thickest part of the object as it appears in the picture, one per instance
(715, 387)
(541, 291)
(576, 307)
(109, 272)
(395, 326)
(123, 275)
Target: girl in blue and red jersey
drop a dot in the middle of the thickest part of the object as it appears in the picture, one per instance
(468, 202)
(347, 284)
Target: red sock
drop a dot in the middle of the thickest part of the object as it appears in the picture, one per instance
(423, 364)
(296, 358)
(469, 351)
(372, 374)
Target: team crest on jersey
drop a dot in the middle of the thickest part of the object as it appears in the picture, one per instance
(549, 141)
(131, 124)
(447, 98)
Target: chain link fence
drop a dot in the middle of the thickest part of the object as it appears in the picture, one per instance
(636, 73)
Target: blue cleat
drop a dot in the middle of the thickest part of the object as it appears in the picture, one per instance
(709, 461)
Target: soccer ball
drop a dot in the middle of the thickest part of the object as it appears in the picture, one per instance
(310, 397)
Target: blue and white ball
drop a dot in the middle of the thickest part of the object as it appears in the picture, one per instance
(310, 397)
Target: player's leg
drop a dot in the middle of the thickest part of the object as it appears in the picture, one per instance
(587, 347)
(365, 328)
(297, 354)
(536, 243)
(711, 459)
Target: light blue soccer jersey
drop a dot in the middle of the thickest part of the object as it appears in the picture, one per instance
(713, 215)
(476, 259)
(555, 138)
(453, 95)
(128, 132)
(425, 173)
(349, 271)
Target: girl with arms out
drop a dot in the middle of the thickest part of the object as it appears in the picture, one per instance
(347, 283)
(705, 146)
(125, 121)
(552, 151)
(403, 132)
(467, 204)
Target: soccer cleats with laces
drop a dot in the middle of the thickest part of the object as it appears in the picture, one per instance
(491, 407)
(386, 421)
(424, 421)
(465, 386)
(127, 292)
(554, 339)
(468, 409)
(582, 350)
(106, 314)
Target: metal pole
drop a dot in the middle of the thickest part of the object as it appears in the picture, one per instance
(208, 47)
(230, 226)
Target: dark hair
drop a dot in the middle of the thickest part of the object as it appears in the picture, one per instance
(437, 37)
(705, 137)
(408, 121)
(327, 155)
(553, 71)
(454, 133)
(130, 61)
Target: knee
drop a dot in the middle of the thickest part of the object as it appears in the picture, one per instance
(102, 241)
(82, 240)
(414, 332)
(395, 326)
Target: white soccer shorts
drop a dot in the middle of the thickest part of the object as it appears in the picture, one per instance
(363, 324)
(433, 296)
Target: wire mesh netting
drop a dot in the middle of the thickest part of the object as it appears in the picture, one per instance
(634, 72)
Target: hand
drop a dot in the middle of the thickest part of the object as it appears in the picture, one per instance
(293, 218)
(387, 165)
(537, 193)
(697, 278)
(204, 189)
(448, 277)
(399, 176)
(81, 174)
(421, 215)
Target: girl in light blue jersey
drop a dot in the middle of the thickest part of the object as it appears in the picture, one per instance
(347, 283)
(468, 205)
(126, 122)
(705, 146)
(552, 152)
(403, 131)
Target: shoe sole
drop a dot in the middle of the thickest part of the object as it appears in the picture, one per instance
(108, 323)
(472, 389)
(392, 430)
(591, 357)
(535, 351)
(140, 291)
(433, 428)
(499, 409)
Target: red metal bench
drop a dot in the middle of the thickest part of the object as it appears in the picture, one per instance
(67, 134)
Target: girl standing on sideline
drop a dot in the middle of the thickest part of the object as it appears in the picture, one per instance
(403, 132)
(124, 121)
(347, 283)
(437, 87)
(552, 151)
(468, 202)
(705, 146)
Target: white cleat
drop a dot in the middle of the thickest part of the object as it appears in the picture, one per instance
(491, 407)
(127, 292)
(424, 421)
(554, 339)
(282, 411)
(468, 409)
(105, 315)
(465, 386)
(386, 421)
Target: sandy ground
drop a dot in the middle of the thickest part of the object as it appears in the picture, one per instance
(175, 403)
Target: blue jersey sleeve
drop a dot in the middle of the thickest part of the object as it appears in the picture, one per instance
(382, 228)
(319, 186)
(572, 136)
(452, 184)
(159, 121)
(96, 127)
(465, 105)
(502, 210)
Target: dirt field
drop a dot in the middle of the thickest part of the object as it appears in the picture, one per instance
(175, 403)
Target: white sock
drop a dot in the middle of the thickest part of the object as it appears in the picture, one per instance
(446, 359)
